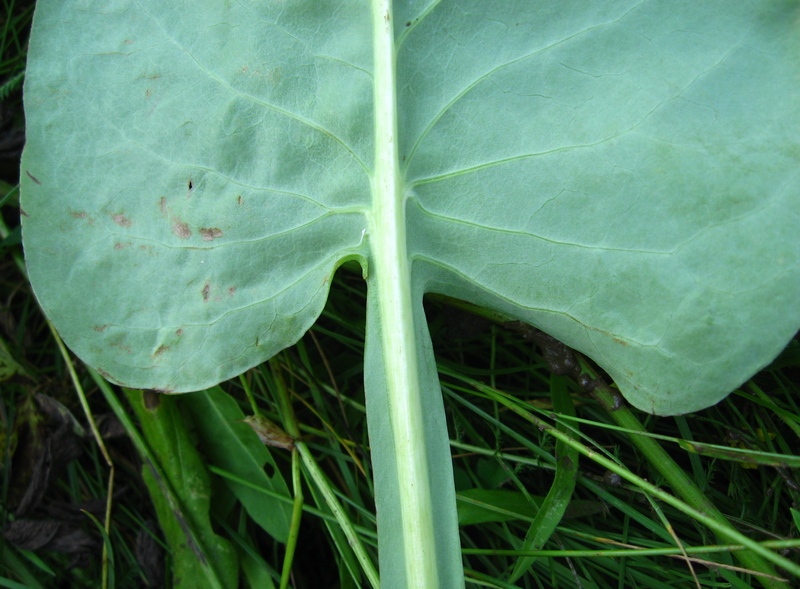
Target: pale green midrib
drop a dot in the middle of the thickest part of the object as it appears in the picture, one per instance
(398, 342)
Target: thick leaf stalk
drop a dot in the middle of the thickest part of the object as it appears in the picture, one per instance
(418, 535)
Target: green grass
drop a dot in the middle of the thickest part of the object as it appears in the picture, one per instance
(605, 498)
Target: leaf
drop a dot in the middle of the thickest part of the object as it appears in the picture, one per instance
(476, 506)
(232, 445)
(621, 175)
(795, 517)
(8, 366)
(179, 485)
(43, 443)
(555, 505)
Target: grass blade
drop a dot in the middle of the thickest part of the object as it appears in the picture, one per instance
(558, 498)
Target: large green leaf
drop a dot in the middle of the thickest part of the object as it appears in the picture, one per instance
(624, 175)
(179, 484)
(232, 445)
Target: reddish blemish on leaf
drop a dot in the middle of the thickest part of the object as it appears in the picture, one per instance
(121, 346)
(181, 229)
(151, 400)
(210, 233)
(206, 292)
(121, 220)
(79, 215)
(269, 433)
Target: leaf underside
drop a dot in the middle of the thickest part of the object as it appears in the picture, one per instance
(622, 175)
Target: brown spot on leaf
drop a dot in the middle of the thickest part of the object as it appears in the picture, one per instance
(232, 290)
(82, 215)
(269, 433)
(100, 328)
(32, 177)
(618, 402)
(161, 349)
(210, 233)
(121, 346)
(118, 342)
(621, 342)
(162, 205)
(179, 332)
(121, 220)
(239, 199)
(181, 229)
(206, 292)
(151, 400)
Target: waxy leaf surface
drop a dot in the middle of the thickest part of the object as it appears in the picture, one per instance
(623, 175)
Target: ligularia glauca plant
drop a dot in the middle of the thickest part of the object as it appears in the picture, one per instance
(622, 175)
